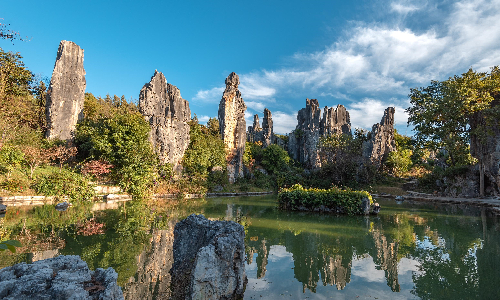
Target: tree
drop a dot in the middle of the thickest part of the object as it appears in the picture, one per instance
(9, 34)
(441, 112)
(274, 159)
(34, 157)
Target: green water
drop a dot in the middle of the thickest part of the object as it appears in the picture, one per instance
(408, 251)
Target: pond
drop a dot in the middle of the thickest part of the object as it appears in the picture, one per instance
(408, 251)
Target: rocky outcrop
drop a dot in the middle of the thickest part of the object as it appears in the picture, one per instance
(168, 115)
(265, 134)
(267, 128)
(382, 139)
(232, 126)
(66, 93)
(304, 139)
(209, 259)
(254, 133)
(63, 277)
(335, 121)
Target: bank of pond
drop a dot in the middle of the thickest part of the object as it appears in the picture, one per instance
(408, 250)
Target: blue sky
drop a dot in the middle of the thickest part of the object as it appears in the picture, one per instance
(365, 55)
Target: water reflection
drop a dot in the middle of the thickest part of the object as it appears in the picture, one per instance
(407, 251)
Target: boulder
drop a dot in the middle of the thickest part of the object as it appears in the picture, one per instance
(62, 277)
(66, 93)
(168, 115)
(232, 126)
(209, 259)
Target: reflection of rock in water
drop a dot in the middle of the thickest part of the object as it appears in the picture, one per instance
(334, 273)
(387, 259)
(263, 254)
(152, 280)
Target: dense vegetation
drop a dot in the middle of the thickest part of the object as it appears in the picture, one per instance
(334, 199)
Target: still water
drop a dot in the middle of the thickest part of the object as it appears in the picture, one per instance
(408, 251)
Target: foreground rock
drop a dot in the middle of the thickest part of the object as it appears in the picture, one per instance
(208, 259)
(63, 277)
(168, 116)
(382, 139)
(66, 92)
(232, 126)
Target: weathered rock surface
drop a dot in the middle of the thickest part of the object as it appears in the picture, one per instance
(265, 134)
(66, 93)
(62, 277)
(382, 139)
(304, 139)
(232, 125)
(168, 116)
(267, 128)
(335, 121)
(208, 259)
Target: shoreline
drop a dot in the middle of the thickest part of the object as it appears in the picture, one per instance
(490, 203)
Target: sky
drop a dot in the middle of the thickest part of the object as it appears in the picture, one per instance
(365, 55)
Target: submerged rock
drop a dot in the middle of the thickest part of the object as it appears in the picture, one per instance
(62, 277)
(209, 259)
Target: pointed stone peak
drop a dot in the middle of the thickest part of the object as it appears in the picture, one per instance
(233, 80)
(388, 118)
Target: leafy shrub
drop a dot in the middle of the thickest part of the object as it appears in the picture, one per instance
(65, 183)
(274, 158)
(16, 185)
(217, 177)
(399, 161)
(346, 201)
(10, 158)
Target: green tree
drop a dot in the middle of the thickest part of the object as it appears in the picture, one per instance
(205, 150)
(274, 159)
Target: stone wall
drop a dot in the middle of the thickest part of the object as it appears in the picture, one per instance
(66, 93)
(168, 116)
(382, 139)
(232, 126)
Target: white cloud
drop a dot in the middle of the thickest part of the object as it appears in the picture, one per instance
(257, 106)
(370, 111)
(203, 119)
(213, 95)
(284, 123)
(403, 8)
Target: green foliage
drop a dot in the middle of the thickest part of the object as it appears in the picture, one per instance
(399, 161)
(122, 141)
(10, 158)
(217, 177)
(275, 159)
(345, 201)
(441, 111)
(9, 245)
(14, 77)
(205, 150)
(65, 183)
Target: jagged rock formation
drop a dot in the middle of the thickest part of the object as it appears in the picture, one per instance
(267, 128)
(152, 280)
(303, 140)
(62, 277)
(232, 125)
(168, 115)
(66, 93)
(265, 134)
(254, 133)
(335, 121)
(382, 139)
(209, 259)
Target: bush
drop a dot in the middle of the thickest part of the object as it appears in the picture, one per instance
(65, 183)
(399, 161)
(10, 159)
(274, 158)
(345, 201)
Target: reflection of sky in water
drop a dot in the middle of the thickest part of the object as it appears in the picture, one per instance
(366, 282)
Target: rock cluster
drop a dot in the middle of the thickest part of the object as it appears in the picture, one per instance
(335, 121)
(265, 134)
(209, 259)
(232, 125)
(382, 139)
(62, 277)
(168, 115)
(66, 93)
(303, 140)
